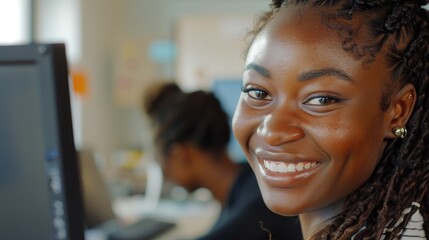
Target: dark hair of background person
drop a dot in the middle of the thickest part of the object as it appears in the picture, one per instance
(402, 175)
(196, 117)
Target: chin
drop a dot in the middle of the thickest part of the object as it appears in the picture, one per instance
(283, 209)
(280, 204)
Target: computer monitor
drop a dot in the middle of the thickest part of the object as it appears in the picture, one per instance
(40, 194)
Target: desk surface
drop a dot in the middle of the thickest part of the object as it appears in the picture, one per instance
(192, 218)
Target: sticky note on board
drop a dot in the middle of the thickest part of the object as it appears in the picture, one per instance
(80, 83)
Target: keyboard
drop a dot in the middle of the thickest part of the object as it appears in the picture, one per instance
(144, 229)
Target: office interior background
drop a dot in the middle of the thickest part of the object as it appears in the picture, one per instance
(116, 48)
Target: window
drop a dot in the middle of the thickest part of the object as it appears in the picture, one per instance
(15, 21)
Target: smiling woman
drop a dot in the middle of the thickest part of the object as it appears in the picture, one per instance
(329, 90)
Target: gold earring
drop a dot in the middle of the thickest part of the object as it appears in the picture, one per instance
(400, 132)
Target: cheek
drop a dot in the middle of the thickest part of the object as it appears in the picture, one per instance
(351, 139)
(180, 175)
(173, 172)
(238, 128)
(353, 148)
(166, 170)
(244, 125)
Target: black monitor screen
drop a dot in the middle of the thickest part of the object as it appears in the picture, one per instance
(39, 183)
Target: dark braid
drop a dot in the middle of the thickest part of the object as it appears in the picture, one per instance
(402, 175)
(196, 118)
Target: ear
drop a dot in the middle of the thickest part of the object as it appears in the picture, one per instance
(402, 105)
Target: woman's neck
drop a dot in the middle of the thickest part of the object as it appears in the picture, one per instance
(314, 221)
(221, 177)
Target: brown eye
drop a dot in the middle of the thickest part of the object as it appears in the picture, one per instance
(256, 93)
(322, 100)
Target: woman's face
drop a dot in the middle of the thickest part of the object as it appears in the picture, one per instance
(309, 118)
(173, 167)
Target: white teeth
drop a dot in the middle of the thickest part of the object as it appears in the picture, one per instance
(307, 165)
(266, 164)
(291, 167)
(273, 166)
(300, 166)
(282, 167)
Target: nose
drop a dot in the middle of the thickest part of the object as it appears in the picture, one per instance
(279, 129)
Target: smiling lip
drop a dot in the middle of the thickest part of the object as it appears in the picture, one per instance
(285, 170)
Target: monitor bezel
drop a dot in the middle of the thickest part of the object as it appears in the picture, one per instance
(52, 67)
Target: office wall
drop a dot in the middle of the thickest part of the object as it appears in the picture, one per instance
(100, 28)
(102, 22)
(158, 19)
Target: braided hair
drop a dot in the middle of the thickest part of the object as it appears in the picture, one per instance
(178, 117)
(402, 174)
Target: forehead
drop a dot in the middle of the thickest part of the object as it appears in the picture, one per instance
(313, 24)
(304, 23)
(297, 25)
(299, 37)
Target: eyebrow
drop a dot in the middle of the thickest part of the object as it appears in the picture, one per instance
(308, 75)
(312, 74)
(259, 69)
